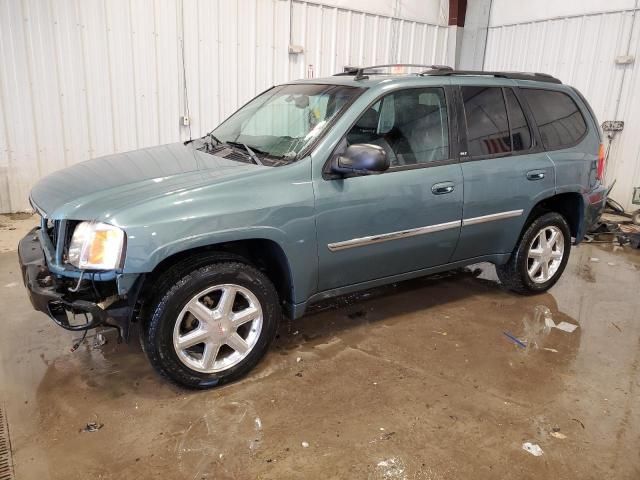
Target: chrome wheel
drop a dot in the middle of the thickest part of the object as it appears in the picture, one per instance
(545, 254)
(217, 328)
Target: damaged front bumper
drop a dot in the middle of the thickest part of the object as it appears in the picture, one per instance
(64, 299)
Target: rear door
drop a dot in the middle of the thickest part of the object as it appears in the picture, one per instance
(405, 219)
(505, 169)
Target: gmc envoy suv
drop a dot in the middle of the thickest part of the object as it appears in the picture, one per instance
(315, 188)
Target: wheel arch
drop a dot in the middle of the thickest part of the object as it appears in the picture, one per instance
(569, 204)
(265, 254)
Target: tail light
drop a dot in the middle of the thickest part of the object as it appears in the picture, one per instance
(601, 161)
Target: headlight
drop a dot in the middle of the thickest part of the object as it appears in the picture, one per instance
(96, 246)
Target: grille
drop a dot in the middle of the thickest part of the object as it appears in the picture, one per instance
(6, 465)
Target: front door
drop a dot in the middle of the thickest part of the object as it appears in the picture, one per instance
(405, 219)
(506, 171)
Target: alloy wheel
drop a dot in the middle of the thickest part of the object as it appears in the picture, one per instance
(217, 328)
(545, 254)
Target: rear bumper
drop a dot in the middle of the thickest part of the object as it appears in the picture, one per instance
(595, 202)
(50, 294)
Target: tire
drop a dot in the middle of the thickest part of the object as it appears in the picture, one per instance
(515, 275)
(191, 307)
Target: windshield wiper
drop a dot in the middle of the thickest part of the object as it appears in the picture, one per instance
(251, 153)
(203, 139)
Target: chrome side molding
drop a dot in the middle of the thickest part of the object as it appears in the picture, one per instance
(385, 237)
(492, 217)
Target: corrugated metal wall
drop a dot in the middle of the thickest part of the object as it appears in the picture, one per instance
(84, 78)
(581, 51)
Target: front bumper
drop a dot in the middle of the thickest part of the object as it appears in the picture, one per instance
(53, 294)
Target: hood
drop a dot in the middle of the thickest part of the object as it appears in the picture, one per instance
(97, 188)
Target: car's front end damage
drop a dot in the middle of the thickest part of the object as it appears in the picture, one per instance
(75, 298)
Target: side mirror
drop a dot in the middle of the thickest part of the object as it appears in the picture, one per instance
(360, 159)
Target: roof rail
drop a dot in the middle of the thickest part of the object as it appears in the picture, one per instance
(359, 72)
(538, 77)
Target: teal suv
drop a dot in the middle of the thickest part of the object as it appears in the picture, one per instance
(313, 189)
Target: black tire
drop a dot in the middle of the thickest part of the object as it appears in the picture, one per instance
(514, 274)
(178, 287)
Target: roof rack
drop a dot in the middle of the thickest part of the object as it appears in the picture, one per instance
(359, 72)
(538, 77)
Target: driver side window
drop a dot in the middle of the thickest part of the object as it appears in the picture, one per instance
(410, 125)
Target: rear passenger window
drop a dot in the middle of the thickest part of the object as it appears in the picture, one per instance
(559, 119)
(486, 118)
(520, 132)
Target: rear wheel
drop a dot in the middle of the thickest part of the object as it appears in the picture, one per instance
(212, 325)
(540, 256)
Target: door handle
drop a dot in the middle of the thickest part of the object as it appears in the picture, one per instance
(442, 188)
(535, 175)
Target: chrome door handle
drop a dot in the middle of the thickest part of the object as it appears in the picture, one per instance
(535, 175)
(442, 188)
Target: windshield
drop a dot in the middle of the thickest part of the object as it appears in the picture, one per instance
(284, 120)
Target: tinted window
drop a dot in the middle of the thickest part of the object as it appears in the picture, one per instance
(559, 120)
(486, 118)
(411, 125)
(520, 132)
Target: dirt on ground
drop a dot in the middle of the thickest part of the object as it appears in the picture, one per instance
(438, 378)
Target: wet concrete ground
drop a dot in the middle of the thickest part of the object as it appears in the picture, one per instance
(413, 381)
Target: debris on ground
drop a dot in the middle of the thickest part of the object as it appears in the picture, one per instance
(549, 323)
(617, 327)
(298, 360)
(99, 341)
(559, 435)
(537, 327)
(92, 427)
(444, 334)
(578, 421)
(594, 259)
(384, 436)
(11, 285)
(617, 229)
(392, 468)
(515, 340)
(532, 448)
(305, 444)
(566, 327)
(550, 349)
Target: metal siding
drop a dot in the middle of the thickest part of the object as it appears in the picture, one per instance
(85, 78)
(581, 51)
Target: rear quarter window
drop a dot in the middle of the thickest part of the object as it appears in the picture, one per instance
(560, 121)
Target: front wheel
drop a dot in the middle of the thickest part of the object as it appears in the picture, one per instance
(540, 256)
(212, 325)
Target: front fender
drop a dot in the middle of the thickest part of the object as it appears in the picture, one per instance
(215, 238)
